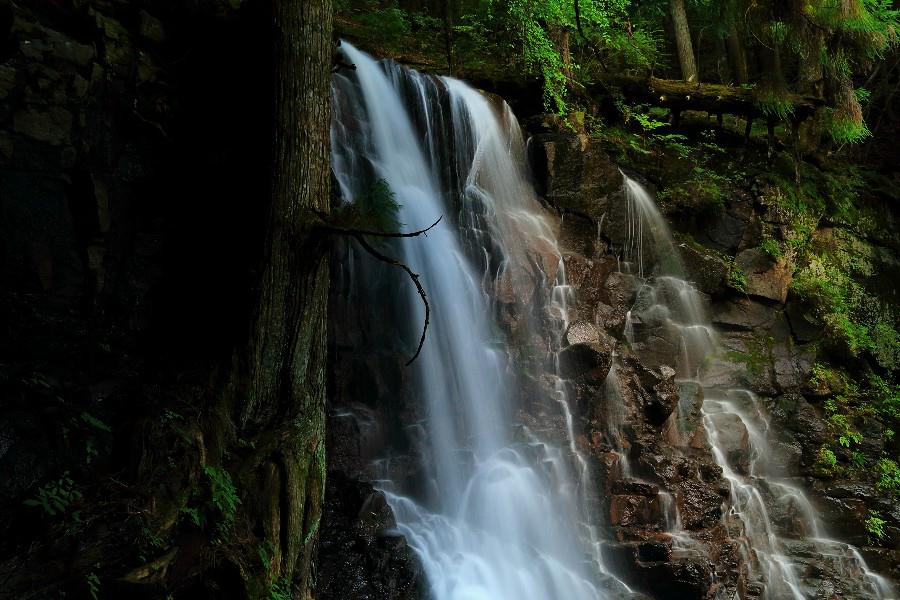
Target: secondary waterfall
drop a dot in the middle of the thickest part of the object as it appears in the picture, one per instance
(504, 513)
(774, 555)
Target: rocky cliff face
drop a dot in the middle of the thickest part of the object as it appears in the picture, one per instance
(659, 489)
(771, 347)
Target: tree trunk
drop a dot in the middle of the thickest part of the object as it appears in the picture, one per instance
(448, 36)
(811, 73)
(683, 41)
(279, 391)
(737, 56)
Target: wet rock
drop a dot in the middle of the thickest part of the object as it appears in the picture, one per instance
(582, 332)
(705, 269)
(589, 362)
(766, 277)
(587, 276)
(574, 173)
(662, 402)
(681, 580)
(800, 424)
(743, 314)
(729, 229)
(636, 487)
(633, 510)
(733, 439)
(699, 503)
(804, 325)
(792, 365)
(361, 557)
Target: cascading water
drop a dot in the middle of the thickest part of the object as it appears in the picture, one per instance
(774, 555)
(504, 515)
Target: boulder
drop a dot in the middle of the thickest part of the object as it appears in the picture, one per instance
(744, 314)
(359, 548)
(799, 423)
(766, 277)
(733, 440)
(662, 402)
(804, 325)
(574, 173)
(677, 580)
(587, 361)
(705, 269)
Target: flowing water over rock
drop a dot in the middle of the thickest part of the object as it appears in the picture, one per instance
(504, 513)
(784, 551)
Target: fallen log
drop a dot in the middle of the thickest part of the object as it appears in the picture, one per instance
(713, 98)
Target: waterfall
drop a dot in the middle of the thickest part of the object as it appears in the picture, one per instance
(773, 554)
(504, 515)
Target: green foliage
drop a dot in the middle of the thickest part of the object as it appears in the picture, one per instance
(385, 23)
(215, 503)
(95, 422)
(56, 497)
(376, 210)
(772, 248)
(875, 526)
(889, 476)
(265, 552)
(737, 279)
(774, 103)
(93, 585)
(281, 590)
(846, 129)
(223, 493)
(826, 462)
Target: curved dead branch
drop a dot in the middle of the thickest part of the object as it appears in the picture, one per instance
(415, 279)
(360, 236)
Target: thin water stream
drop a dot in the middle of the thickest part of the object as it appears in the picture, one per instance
(775, 556)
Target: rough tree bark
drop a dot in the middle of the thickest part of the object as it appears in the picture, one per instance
(683, 41)
(278, 389)
(737, 56)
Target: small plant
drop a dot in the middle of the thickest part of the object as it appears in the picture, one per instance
(93, 585)
(95, 422)
(224, 494)
(56, 497)
(738, 279)
(218, 503)
(889, 473)
(772, 248)
(281, 590)
(875, 526)
(826, 461)
(266, 552)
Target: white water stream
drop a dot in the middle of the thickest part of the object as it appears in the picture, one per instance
(505, 518)
(775, 557)
(505, 514)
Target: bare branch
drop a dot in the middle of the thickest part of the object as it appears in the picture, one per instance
(360, 237)
(356, 232)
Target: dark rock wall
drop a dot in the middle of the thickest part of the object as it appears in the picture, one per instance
(134, 141)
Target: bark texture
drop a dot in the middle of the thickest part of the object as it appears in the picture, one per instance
(280, 399)
(737, 56)
(683, 41)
